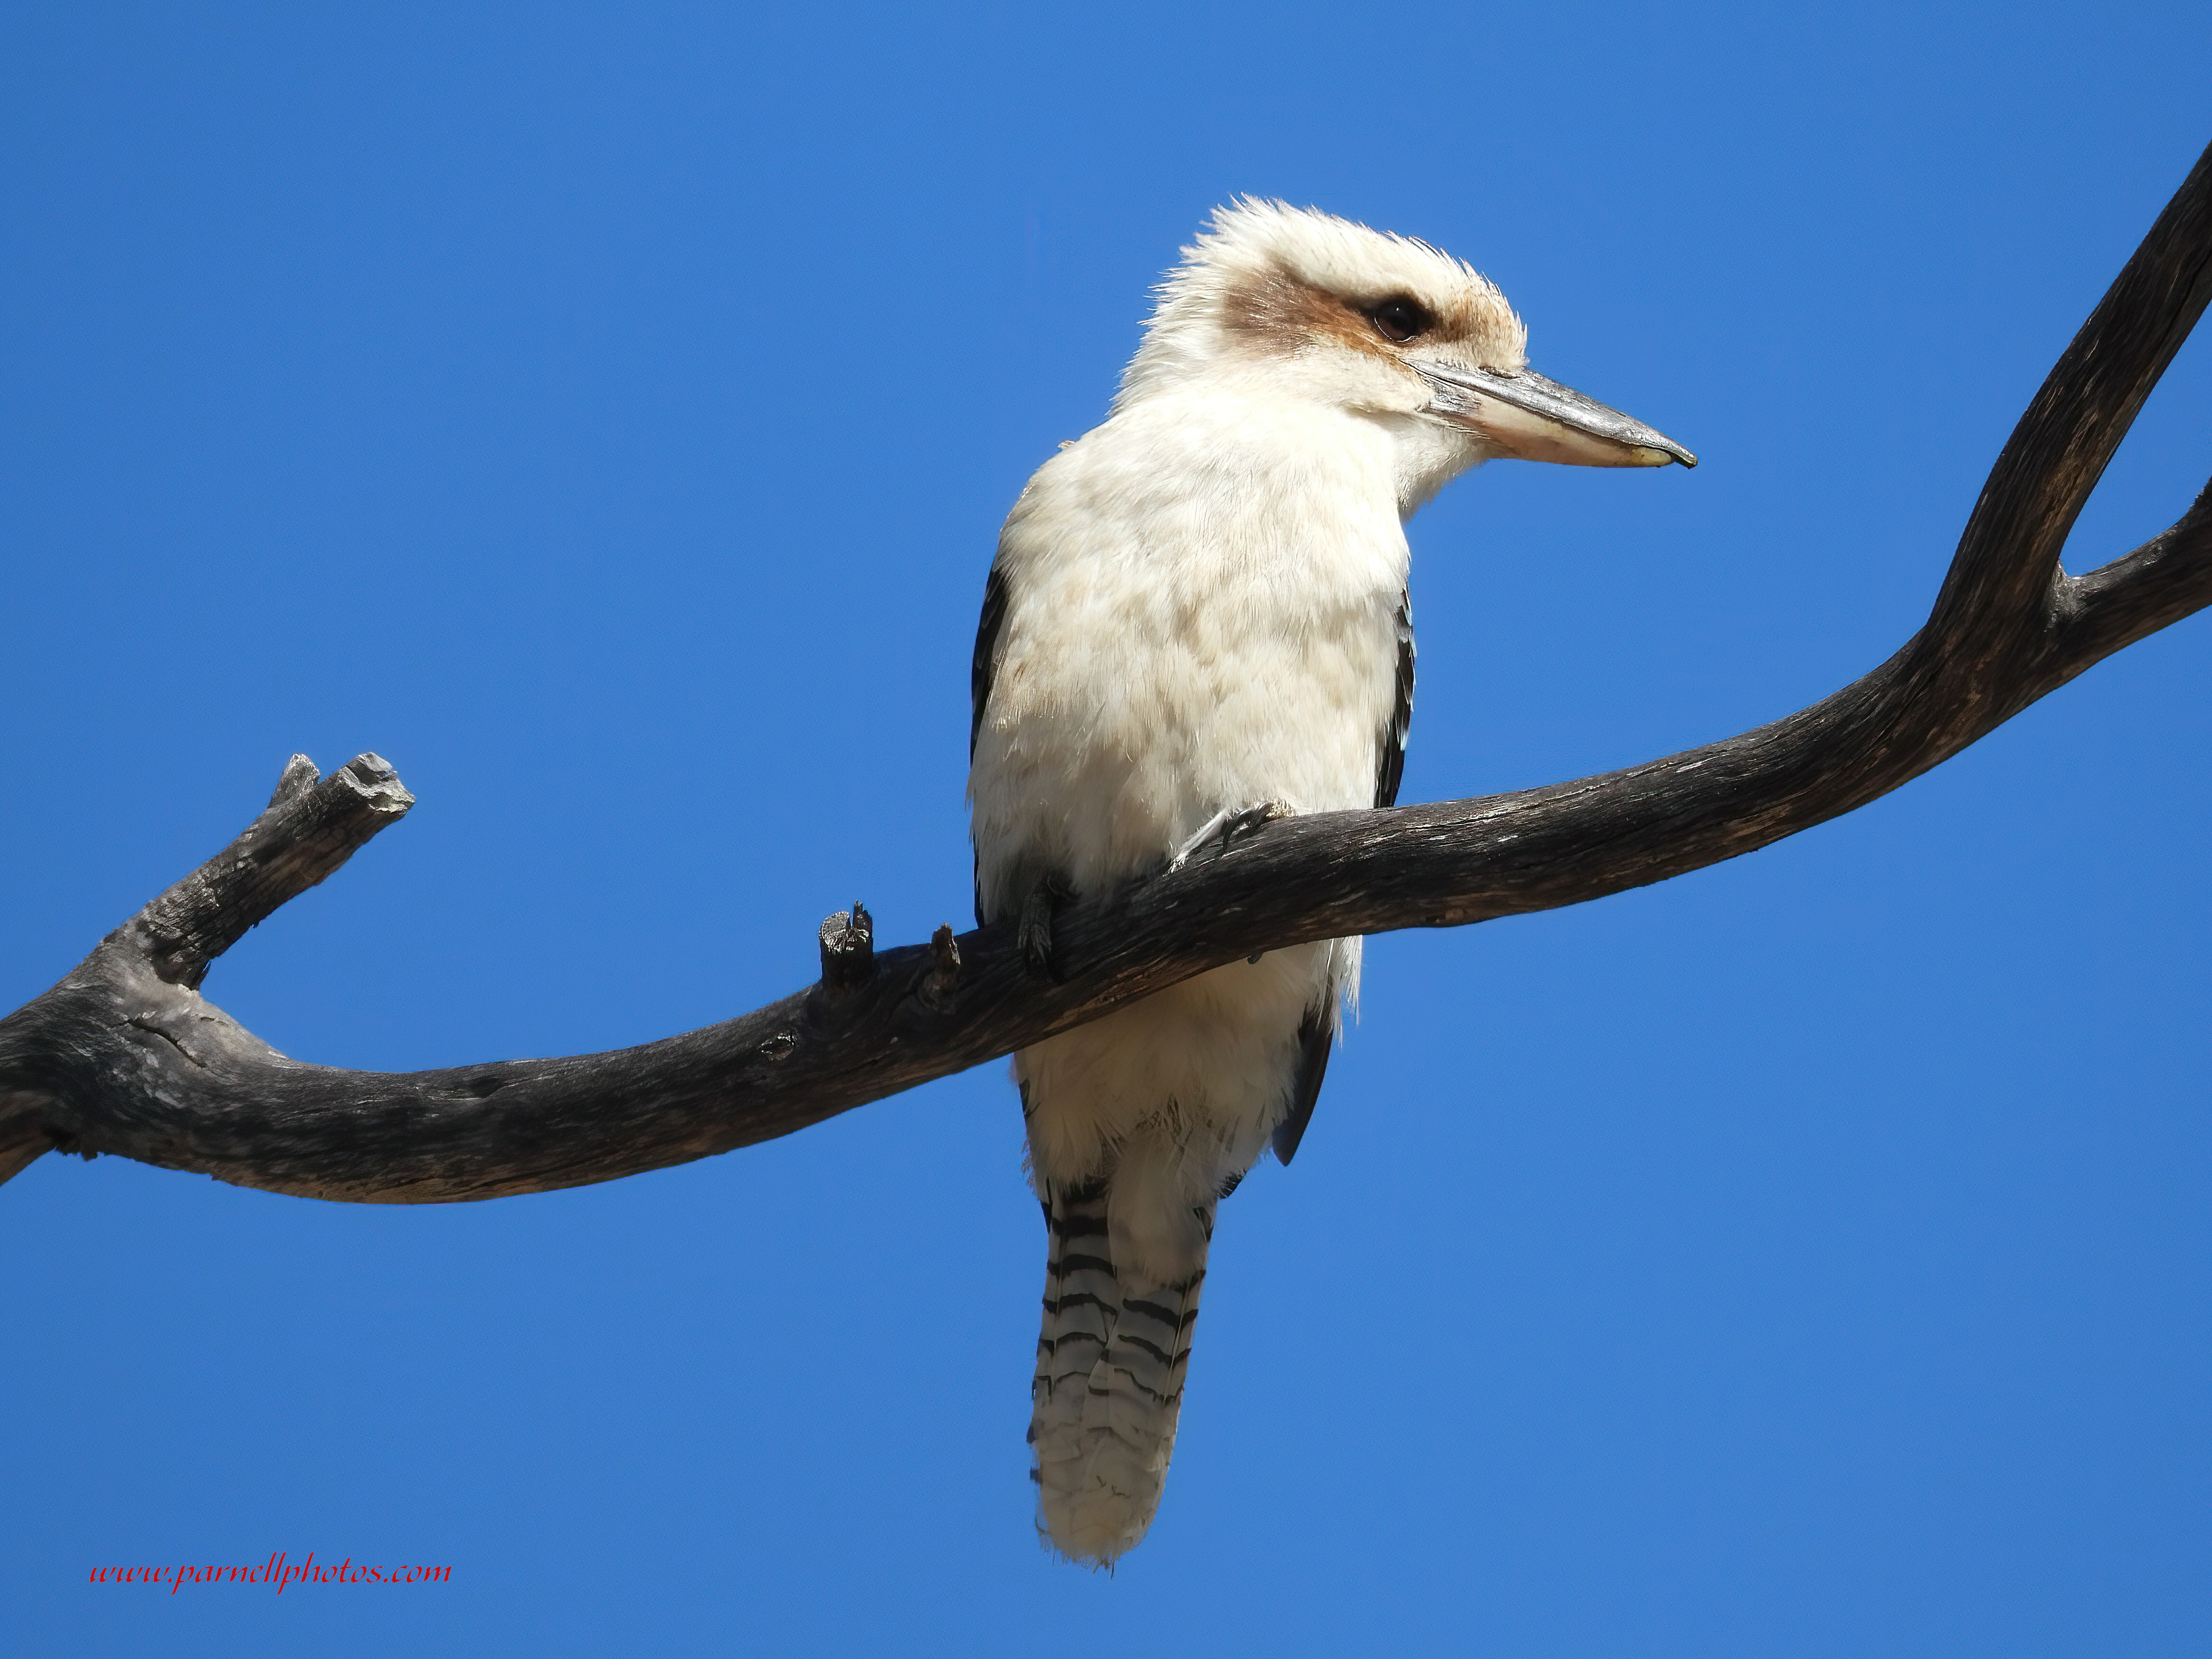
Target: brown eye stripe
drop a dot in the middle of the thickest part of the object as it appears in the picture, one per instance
(1277, 313)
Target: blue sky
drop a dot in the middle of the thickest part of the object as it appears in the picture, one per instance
(605, 413)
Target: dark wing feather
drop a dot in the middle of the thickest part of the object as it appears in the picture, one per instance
(980, 673)
(1315, 1034)
(986, 663)
(1390, 752)
(1318, 1032)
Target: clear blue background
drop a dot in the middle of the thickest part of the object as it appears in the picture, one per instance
(606, 413)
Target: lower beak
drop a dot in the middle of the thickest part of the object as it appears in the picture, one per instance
(1530, 418)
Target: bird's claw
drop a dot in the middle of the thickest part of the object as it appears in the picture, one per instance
(1225, 826)
(1033, 932)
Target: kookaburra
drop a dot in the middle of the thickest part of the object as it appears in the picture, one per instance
(1197, 619)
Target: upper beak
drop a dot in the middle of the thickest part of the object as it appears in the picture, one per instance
(1533, 419)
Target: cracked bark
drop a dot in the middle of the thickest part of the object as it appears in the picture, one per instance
(125, 1056)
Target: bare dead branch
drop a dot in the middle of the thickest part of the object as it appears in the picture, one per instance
(310, 828)
(124, 1055)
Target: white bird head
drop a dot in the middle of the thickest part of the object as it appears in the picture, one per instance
(1311, 307)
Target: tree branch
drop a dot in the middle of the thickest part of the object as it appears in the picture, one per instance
(124, 1055)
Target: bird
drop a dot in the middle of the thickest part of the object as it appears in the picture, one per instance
(1198, 620)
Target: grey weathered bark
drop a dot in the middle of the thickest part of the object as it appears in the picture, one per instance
(124, 1055)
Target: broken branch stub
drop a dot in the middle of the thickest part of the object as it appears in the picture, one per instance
(848, 939)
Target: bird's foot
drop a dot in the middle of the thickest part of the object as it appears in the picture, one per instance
(1033, 932)
(1225, 826)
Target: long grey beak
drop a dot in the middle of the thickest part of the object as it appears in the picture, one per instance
(1533, 419)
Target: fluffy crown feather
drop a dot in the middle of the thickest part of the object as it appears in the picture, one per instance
(1263, 273)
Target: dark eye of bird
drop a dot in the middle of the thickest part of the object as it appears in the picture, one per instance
(1399, 319)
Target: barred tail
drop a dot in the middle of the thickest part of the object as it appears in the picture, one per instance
(1109, 1375)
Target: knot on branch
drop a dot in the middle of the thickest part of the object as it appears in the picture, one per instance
(937, 985)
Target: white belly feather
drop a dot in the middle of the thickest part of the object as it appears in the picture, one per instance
(1203, 595)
